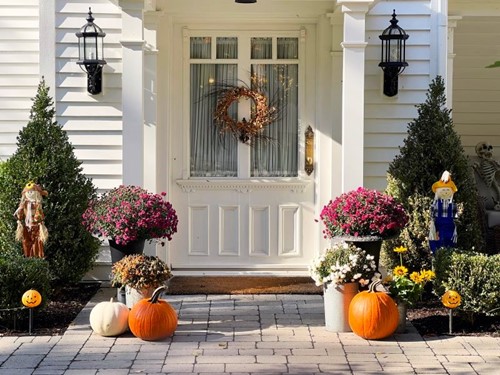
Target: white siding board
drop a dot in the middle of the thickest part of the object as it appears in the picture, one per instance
(90, 124)
(112, 96)
(13, 57)
(476, 93)
(65, 109)
(386, 119)
(96, 153)
(93, 123)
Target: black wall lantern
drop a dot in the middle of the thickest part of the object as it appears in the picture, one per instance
(393, 55)
(91, 53)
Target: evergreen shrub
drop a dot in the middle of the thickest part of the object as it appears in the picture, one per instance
(475, 276)
(431, 147)
(45, 155)
(19, 274)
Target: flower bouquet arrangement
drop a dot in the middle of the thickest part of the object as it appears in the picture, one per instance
(140, 271)
(129, 213)
(343, 263)
(363, 213)
(407, 288)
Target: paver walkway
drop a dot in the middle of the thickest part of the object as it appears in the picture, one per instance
(243, 335)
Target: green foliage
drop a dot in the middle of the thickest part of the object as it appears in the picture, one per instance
(431, 147)
(475, 276)
(19, 274)
(45, 155)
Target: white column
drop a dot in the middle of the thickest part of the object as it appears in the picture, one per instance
(452, 24)
(47, 13)
(133, 91)
(151, 19)
(353, 92)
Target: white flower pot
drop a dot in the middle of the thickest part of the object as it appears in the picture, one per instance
(132, 295)
(337, 298)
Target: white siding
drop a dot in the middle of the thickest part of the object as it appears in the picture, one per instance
(386, 119)
(93, 123)
(476, 90)
(18, 68)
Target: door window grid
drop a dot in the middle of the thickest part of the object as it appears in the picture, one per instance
(215, 155)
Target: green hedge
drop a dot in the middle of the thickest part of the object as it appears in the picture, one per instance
(475, 276)
(19, 274)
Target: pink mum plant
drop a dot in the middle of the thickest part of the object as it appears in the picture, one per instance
(129, 213)
(363, 213)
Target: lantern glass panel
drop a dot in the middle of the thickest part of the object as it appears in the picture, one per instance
(90, 48)
(81, 48)
(100, 49)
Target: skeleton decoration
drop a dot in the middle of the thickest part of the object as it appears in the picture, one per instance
(31, 230)
(489, 170)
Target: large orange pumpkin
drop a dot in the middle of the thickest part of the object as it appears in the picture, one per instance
(373, 315)
(152, 319)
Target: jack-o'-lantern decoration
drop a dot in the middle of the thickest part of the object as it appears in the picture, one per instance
(451, 299)
(31, 298)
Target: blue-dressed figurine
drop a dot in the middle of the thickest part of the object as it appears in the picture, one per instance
(443, 232)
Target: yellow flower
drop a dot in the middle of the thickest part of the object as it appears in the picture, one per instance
(387, 279)
(400, 249)
(416, 277)
(400, 271)
(427, 275)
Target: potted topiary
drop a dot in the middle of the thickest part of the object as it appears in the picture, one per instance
(140, 275)
(364, 217)
(129, 216)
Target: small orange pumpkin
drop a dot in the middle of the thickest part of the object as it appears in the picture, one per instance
(373, 315)
(152, 319)
(31, 298)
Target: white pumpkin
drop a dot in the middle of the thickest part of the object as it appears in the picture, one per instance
(109, 318)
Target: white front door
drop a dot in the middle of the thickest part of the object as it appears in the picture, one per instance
(244, 201)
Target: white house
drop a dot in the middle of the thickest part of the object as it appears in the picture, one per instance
(244, 208)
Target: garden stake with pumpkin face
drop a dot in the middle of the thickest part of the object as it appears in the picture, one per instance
(31, 298)
(31, 230)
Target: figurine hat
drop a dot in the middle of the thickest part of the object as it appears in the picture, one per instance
(445, 181)
(33, 186)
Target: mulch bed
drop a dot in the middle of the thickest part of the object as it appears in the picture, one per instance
(53, 318)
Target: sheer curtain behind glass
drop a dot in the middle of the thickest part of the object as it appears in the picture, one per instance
(279, 156)
(212, 153)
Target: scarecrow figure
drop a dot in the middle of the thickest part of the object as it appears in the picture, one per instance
(443, 232)
(31, 230)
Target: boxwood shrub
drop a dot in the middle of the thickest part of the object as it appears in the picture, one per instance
(475, 276)
(19, 274)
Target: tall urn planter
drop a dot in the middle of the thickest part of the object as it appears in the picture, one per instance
(337, 298)
(118, 252)
(369, 244)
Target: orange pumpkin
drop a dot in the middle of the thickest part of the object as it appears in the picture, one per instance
(31, 298)
(152, 319)
(373, 315)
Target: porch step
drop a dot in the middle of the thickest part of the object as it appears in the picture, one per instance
(102, 267)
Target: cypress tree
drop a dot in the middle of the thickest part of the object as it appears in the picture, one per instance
(431, 147)
(45, 155)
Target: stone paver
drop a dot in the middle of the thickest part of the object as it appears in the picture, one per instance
(245, 335)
